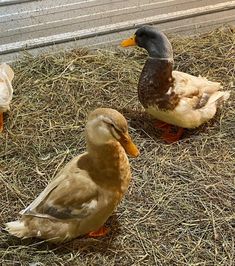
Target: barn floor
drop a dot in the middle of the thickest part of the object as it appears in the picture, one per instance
(180, 207)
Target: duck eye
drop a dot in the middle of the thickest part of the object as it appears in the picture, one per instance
(112, 126)
(141, 34)
(114, 131)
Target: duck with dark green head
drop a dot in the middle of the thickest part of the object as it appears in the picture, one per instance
(173, 97)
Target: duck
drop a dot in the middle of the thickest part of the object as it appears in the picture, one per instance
(6, 90)
(87, 190)
(172, 97)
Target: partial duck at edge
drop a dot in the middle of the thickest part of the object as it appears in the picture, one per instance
(6, 90)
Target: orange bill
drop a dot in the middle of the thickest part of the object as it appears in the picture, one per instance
(128, 145)
(1, 122)
(129, 42)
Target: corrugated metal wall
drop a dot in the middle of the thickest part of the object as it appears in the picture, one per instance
(26, 24)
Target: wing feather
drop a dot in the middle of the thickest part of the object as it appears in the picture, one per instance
(71, 195)
(189, 86)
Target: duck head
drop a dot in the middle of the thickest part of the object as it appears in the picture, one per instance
(106, 125)
(154, 41)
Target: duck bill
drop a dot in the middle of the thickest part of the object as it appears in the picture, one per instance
(129, 42)
(128, 145)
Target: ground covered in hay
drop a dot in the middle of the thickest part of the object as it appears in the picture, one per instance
(180, 208)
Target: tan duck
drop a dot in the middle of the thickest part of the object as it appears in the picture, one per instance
(171, 96)
(6, 90)
(88, 189)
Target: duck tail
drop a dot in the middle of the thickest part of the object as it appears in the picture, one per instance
(16, 228)
(218, 98)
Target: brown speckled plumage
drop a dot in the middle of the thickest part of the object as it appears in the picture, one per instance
(154, 83)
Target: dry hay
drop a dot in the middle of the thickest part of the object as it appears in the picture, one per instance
(180, 208)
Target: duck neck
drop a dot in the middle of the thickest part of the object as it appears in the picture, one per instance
(107, 157)
(160, 49)
(109, 165)
(156, 82)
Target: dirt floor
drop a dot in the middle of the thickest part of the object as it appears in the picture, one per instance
(180, 207)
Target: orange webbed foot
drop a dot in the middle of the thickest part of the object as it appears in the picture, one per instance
(100, 232)
(1, 122)
(169, 136)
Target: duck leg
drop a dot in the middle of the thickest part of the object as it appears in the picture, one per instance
(1, 122)
(161, 125)
(168, 135)
(100, 232)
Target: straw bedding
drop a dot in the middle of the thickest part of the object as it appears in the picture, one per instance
(180, 207)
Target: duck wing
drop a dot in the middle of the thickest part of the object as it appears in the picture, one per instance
(186, 85)
(72, 195)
